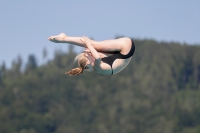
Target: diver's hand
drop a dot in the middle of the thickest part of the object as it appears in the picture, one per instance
(93, 51)
(86, 50)
(86, 40)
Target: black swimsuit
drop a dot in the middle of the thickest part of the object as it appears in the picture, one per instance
(117, 55)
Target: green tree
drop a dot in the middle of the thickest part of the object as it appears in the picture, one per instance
(31, 64)
(44, 53)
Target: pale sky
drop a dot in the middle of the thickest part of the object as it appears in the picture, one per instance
(26, 25)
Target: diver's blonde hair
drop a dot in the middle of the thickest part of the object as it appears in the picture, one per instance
(82, 60)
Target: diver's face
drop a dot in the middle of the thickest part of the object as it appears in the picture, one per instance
(90, 58)
(88, 66)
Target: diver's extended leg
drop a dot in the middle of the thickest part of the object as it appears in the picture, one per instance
(121, 44)
(62, 38)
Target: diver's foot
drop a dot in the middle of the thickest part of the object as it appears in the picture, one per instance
(61, 38)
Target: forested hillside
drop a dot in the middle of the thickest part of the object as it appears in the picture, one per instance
(158, 92)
